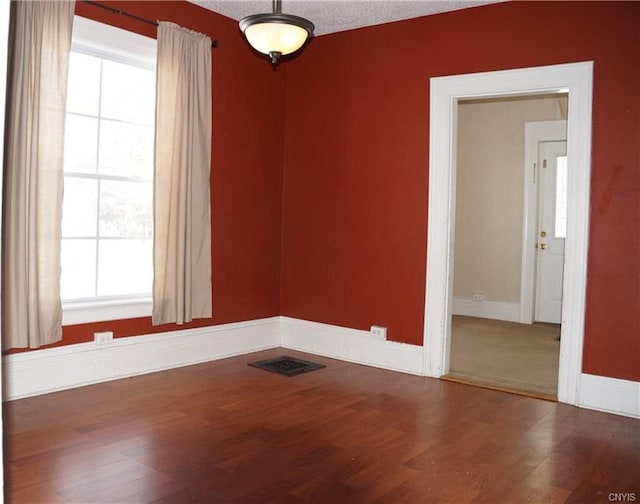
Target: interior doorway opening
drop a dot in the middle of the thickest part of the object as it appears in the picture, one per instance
(576, 79)
(493, 230)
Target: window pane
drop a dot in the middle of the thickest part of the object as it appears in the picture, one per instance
(83, 88)
(80, 144)
(79, 207)
(561, 197)
(78, 269)
(128, 93)
(125, 267)
(110, 134)
(125, 209)
(126, 149)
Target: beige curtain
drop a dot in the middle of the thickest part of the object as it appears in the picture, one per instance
(182, 223)
(40, 40)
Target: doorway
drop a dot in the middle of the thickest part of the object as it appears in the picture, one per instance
(574, 79)
(489, 345)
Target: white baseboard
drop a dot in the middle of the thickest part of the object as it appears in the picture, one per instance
(495, 310)
(42, 371)
(610, 395)
(351, 345)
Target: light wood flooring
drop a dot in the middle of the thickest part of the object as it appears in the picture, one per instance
(223, 432)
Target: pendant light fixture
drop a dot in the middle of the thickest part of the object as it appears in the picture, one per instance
(276, 34)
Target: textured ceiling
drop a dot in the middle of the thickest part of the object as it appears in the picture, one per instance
(337, 15)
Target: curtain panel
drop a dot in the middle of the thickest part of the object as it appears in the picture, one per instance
(39, 45)
(182, 221)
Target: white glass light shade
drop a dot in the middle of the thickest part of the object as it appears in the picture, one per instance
(276, 34)
(276, 37)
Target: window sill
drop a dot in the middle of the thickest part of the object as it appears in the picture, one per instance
(83, 313)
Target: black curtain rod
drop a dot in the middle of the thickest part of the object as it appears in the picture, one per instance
(214, 43)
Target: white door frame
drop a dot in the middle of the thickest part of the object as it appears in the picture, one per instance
(535, 132)
(575, 79)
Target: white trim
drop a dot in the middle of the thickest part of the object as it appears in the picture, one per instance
(495, 310)
(49, 370)
(106, 41)
(352, 345)
(535, 132)
(60, 368)
(577, 80)
(610, 395)
(100, 311)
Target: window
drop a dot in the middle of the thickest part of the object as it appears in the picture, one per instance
(107, 231)
(561, 197)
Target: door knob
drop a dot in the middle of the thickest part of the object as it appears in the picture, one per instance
(542, 246)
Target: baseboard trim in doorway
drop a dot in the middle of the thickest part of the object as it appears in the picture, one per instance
(495, 310)
(491, 386)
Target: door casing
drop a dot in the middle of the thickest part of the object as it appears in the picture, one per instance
(576, 79)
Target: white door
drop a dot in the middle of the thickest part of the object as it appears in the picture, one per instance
(552, 230)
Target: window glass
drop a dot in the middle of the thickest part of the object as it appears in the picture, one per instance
(80, 143)
(107, 225)
(78, 279)
(561, 197)
(124, 267)
(83, 87)
(126, 102)
(132, 157)
(125, 209)
(80, 207)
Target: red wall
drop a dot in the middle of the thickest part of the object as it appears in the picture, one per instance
(348, 219)
(356, 163)
(246, 172)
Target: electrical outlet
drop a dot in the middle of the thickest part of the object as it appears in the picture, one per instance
(103, 338)
(379, 332)
(478, 297)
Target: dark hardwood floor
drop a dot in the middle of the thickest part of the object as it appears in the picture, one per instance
(223, 432)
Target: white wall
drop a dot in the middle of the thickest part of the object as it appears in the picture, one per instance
(489, 197)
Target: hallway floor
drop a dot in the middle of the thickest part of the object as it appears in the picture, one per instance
(506, 355)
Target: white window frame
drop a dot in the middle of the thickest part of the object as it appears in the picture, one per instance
(105, 41)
